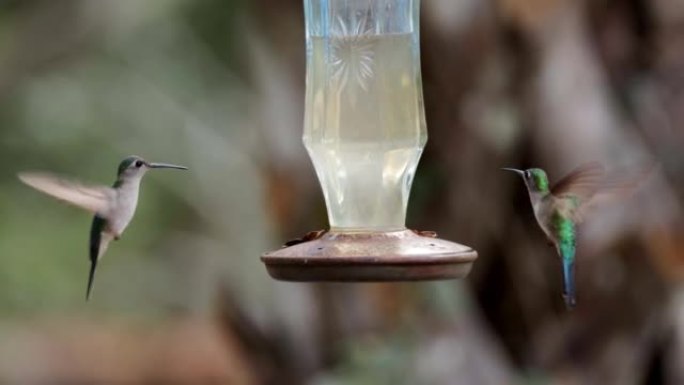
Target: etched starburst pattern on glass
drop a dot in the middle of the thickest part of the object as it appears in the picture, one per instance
(352, 55)
(364, 119)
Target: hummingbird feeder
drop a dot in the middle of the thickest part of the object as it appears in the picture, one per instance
(365, 130)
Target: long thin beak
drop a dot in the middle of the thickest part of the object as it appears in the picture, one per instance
(166, 165)
(515, 170)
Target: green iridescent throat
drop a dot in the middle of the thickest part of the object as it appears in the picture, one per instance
(540, 179)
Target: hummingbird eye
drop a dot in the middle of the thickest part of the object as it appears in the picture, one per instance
(138, 163)
(527, 174)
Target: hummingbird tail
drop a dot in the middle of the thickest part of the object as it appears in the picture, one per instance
(91, 278)
(569, 282)
(98, 244)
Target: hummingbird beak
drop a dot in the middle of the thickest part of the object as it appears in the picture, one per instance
(165, 165)
(515, 170)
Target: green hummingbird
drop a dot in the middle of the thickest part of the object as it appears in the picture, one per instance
(113, 207)
(560, 208)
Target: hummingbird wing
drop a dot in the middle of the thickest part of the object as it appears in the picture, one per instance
(615, 187)
(582, 182)
(588, 186)
(95, 199)
(621, 184)
(576, 189)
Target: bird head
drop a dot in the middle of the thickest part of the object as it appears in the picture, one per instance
(535, 179)
(135, 167)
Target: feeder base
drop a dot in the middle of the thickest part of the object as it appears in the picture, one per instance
(370, 256)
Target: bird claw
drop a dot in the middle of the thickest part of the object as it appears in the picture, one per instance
(310, 236)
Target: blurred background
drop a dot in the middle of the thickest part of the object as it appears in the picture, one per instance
(218, 85)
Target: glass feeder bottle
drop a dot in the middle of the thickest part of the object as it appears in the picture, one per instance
(364, 129)
(364, 125)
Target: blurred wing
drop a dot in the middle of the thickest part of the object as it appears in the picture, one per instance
(581, 184)
(614, 188)
(95, 199)
(622, 184)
